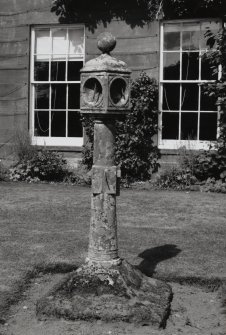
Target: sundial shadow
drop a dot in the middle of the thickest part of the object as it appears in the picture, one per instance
(153, 256)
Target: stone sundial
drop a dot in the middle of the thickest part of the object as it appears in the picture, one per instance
(106, 287)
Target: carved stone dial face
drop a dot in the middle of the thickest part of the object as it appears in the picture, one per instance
(92, 91)
(119, 92)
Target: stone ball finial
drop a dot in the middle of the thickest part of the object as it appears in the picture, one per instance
(106, 42)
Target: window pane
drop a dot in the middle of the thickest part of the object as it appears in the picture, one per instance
(76, 41)
(74, 70)
(74, 124)
(59, 37)
(171, 96)
(171, 70)
(58, 96)
(41, 70)
(172, 41)
(74, 96)
(170, 126)
(42, 96)
(58, 123)
(190, 66)
(42, 41)
(208, 103)
(41, 123)
(207, 72)
(208, 126)
(58, 70)
(190, 93)
(189, 126)
(190, 40)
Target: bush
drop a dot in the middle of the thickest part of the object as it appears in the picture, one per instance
(43, 165)
(213, 185)
(135, 148)
(175, 178)
(22, 147)
(3, 172)
(79, 176)
(205, 164)
(210, 164)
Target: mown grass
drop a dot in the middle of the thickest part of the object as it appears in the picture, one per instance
(167, 234)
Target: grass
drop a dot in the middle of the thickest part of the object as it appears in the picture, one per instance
(167, 234)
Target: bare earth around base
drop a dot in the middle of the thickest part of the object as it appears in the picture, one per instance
(118, 293)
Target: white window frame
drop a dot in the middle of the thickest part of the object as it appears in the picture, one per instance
(176, 144)
(48, 140)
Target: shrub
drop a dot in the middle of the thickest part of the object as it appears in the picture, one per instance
(175, 178)
(135, 149)
(3, 172)
(42, 165)
(22, 147)
(79, 176)
(210, 164)
(213, 185)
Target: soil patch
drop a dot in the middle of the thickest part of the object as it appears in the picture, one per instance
(194, 311)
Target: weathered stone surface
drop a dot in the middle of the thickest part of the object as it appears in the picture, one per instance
(106, 287)
(118, 293)
(106, 42)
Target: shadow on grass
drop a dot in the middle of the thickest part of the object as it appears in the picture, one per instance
(151, 257)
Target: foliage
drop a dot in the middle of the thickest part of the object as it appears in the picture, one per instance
(87, 150)
(187, 159)
(3, 172)
(210, 164)
(174, 178)
(213, 185)
(135, 150)
(79, 176)
(22, 147)
(134, 12)
(175, 9)
(42, 165)
(217, 89)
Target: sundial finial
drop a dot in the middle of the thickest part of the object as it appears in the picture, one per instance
(106, 42)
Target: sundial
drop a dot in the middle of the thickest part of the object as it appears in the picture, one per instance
(106, 287)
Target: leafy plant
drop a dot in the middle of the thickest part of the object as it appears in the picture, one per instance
(3, 172)
(212, 163)
(43, 165)
(134, 12)
(79, 176)
(213, 185)
(175, 178)
(22, 147)
(135, 149)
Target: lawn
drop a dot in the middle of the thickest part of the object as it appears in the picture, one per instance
(167, 234)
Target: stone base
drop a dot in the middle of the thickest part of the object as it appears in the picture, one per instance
(118, 293)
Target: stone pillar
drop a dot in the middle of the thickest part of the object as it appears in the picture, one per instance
(103, 246)
(106, 287)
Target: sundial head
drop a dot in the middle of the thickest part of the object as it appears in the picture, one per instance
(105, 81)
(106, 42)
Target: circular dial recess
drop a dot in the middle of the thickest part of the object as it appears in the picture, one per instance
(119, 92)
(92, 91)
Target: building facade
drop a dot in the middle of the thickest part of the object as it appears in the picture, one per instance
(40, 61)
